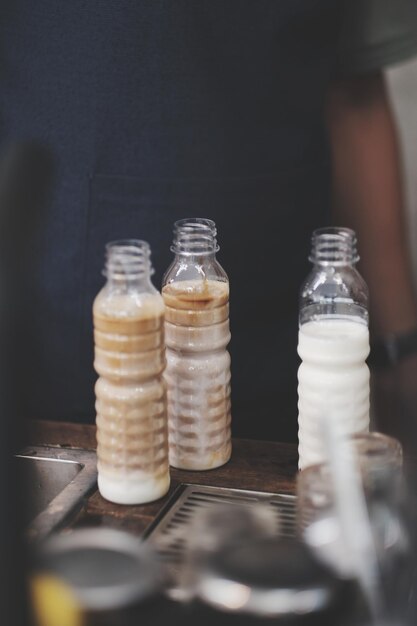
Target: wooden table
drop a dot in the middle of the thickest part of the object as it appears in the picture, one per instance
(256, 465)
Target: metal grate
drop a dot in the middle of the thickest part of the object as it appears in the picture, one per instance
(168, 533)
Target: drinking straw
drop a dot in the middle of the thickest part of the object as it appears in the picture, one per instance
(352, 514)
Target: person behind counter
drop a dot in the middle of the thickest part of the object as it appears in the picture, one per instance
(247, 113)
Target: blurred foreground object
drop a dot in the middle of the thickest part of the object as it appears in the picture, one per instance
(54, 602)
(97, 577)
(25, 175)
(379, 537)
(379, 456)
(240, 572)
(269, 579)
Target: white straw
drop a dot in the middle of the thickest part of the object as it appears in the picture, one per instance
(352, 514)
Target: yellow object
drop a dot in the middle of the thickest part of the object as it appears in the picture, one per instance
(54, 603)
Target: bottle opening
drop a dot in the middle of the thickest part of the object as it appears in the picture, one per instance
(128, 258)
(334, 246)
(195, 236)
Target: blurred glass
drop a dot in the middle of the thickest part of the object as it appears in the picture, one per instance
(97, 577)
(242, 572)
(380, 464)
(219, 526)
(375, 449)
(380, 461)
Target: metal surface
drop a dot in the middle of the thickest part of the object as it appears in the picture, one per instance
(169, 533)
(57, 480)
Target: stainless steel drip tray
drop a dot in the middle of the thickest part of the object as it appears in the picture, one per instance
(55, 483)
(170, 531)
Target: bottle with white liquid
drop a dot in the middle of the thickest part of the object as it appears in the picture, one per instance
(333, 343)
(196, 296)
(131, 403)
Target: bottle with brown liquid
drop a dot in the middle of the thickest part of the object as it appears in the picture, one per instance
(131, 403)
(196, 296)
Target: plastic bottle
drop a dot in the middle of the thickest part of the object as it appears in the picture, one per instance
(333, 343)
(131, 401)
(196, 296)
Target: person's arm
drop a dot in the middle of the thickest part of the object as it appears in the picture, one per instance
(368, 196)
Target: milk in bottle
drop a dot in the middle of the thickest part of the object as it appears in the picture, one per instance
(333, 344)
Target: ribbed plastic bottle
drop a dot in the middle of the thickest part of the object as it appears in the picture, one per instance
(196, 295)
(333, 378)
(131, 402)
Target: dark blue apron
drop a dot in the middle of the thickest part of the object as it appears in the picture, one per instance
(158, 110)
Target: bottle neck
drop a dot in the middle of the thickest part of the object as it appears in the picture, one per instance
(334, 247)
(195, 237)
(334, 289)
(128, 264)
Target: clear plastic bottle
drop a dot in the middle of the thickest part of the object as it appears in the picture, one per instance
(333, 343)
(131, 403)
(196, 295)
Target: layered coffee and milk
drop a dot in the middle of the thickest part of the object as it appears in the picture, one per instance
(131, 404)
(198, 373)
(333, 381)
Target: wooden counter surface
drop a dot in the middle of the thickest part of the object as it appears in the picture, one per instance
(256, 465)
